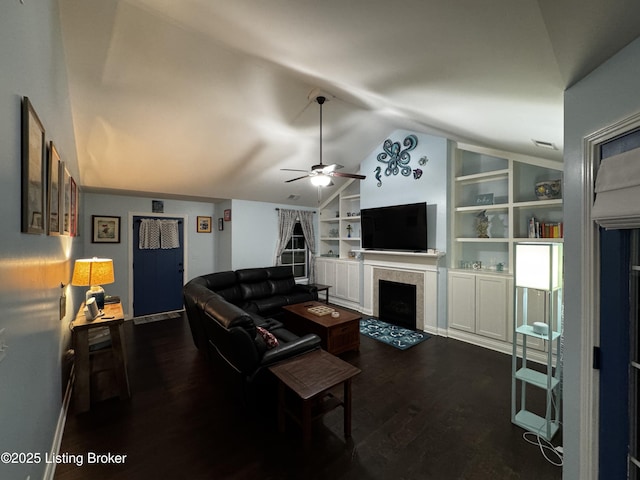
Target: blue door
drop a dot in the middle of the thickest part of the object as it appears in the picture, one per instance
(618, 422)
(158, 274)
(614, 353)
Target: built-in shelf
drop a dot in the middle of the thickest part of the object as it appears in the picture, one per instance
(502, 185)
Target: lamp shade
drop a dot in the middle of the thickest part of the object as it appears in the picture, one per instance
(539, 265)
(93, 271)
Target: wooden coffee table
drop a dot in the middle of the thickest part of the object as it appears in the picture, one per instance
(337, 334)
(310, 377)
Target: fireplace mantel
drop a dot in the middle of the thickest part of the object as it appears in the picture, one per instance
(398, 258)
(417, 268)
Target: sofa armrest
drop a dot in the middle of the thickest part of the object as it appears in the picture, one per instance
(311, 289)
(286, 350)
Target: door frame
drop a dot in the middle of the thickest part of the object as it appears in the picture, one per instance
(590, 299)
(185, 235)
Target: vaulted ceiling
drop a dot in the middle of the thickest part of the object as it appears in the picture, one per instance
(211, 98)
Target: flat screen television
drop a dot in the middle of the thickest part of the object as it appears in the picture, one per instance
(397, 227)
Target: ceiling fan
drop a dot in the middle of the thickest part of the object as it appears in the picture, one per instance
(320, 174)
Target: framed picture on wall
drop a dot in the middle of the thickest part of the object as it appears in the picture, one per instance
(65, 200)
(73, 208)
(105, 229)
(33, 171)
(203, 225)
(220, 224)
(53, 200)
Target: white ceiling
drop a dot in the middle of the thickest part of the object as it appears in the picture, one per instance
(209, 98)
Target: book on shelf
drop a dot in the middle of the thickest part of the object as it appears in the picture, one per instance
(541, 229)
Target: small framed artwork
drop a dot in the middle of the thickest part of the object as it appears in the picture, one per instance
(33, 171)
(157, 206)
(65, 200)
(53, 200)
(73, 208)
(227, 215)
(484, 199)
(204, 225)
(105, 229)
(220, 224)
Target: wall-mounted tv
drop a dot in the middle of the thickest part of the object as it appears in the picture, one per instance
(397, 227)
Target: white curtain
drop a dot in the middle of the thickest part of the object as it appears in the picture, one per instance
(286, 222)
(306, 221)
(155, 233)
(149, 235)
(617, 203)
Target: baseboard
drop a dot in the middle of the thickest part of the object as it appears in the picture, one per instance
(50, 471)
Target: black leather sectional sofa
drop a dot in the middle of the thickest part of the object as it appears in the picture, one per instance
(225, 310)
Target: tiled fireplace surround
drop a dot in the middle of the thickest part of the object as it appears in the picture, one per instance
(417, 269)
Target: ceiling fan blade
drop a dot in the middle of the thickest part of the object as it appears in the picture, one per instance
(292, 170)
(297, 178)
(331, 168)
(348, 175)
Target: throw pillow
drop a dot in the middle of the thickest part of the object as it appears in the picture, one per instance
(268, 337)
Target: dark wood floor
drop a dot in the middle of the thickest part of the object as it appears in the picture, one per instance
(440, 410)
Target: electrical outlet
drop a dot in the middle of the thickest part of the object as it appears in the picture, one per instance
(3, 344)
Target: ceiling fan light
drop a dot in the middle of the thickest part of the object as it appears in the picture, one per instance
(320, 180)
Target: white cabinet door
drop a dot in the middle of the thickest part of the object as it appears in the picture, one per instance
(321, 272)
(342, 280)
(492, 319)
(326, 272)
(353, 281)
(462, 301)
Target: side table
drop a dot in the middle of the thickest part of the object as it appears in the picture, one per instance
(310, 377)
(324, 288)
(113, 318)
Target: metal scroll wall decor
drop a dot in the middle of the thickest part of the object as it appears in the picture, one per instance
(397, 159)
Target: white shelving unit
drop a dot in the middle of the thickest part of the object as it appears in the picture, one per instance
(338, 262)
(501, 184)
(340, 223)
(506, 183)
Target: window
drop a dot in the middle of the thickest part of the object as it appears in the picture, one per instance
(295, 253)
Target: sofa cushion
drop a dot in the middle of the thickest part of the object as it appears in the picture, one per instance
(297, 297)
(252, 275)
(284, 335)
(282, 286)
(253, 283)
(266, 305)
(229, 315)
(269, 338)
(251, 291)
(224, 284)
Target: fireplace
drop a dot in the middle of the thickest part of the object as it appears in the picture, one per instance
(397, 303)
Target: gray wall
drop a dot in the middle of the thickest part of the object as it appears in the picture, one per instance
(32, 267)
(199, 247)
(398, 189)
(255, 233)
(607, 95)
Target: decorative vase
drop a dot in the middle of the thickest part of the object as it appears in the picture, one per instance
(549, 189)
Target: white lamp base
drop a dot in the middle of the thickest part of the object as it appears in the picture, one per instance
(97, 292)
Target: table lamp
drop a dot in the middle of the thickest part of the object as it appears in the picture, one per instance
(93, 272)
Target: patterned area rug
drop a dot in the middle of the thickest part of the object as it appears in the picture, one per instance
(158, 317)
(398, 337)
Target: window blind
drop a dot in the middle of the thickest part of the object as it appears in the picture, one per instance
(617, 203)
